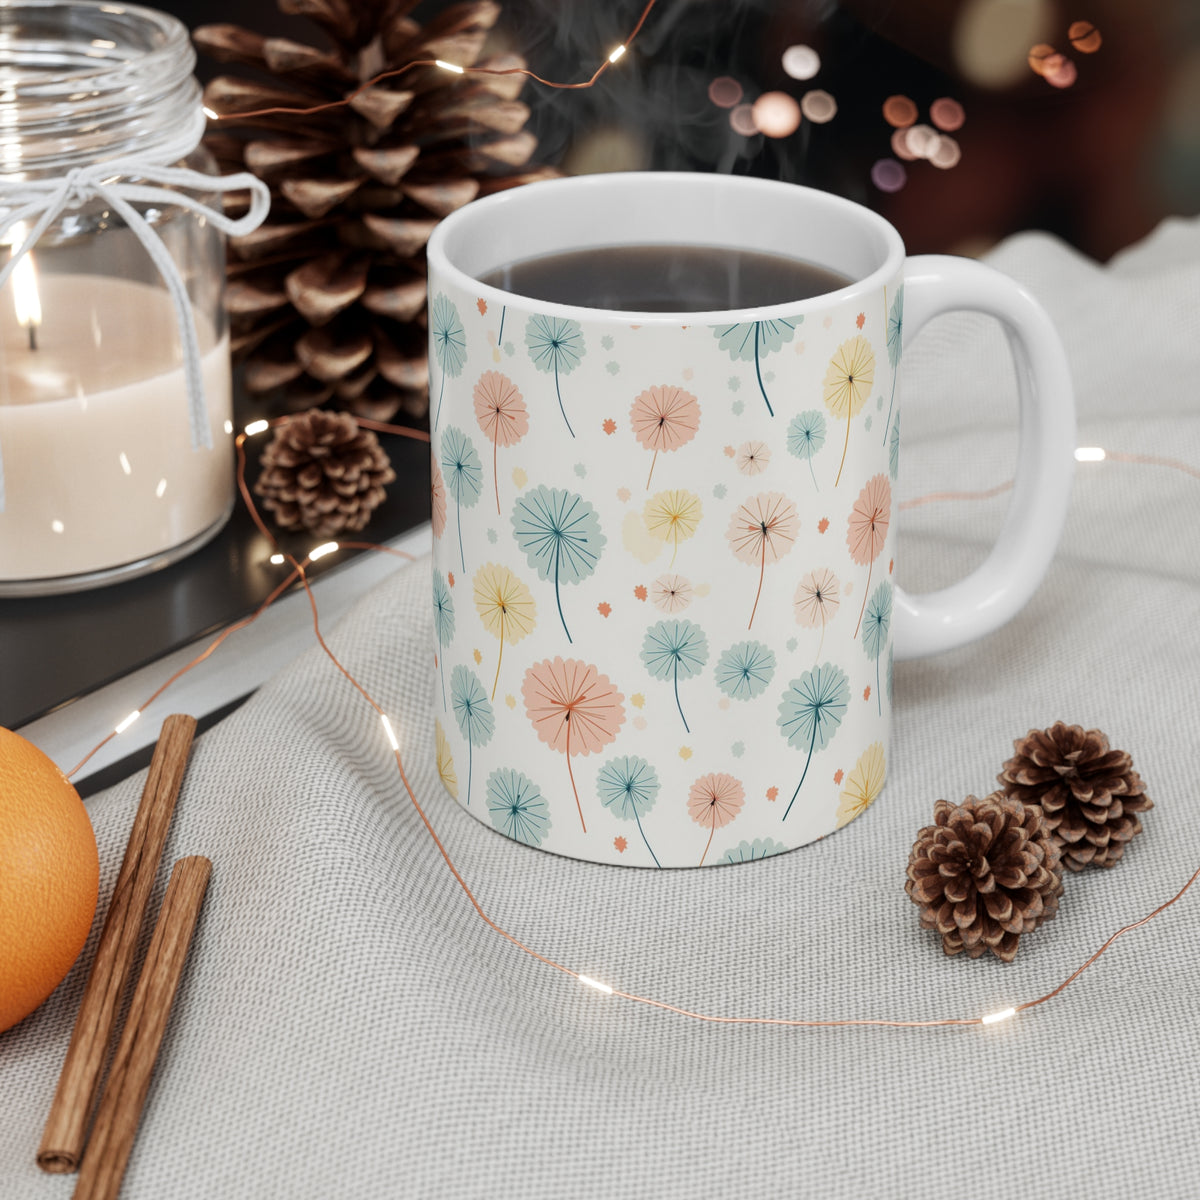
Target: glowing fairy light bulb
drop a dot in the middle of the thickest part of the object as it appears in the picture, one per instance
(208, 112)
(391, 733)
(129, 720)
(588, 981)
(994, 1018)
(449, 66)
(259, 426)
(1090, 454)
(617, 52)
(320, 551)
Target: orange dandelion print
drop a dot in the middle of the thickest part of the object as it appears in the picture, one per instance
(574, 709)
(822, 524)
(621, 844)
(762, 531)
(502, 415)
(860, 320)
(640, 591)
(664, 418)
(609, 426)
(714, 800)
(772, 793)
(848, 382)
(450, 578)
(481, 304)
(604, 608)
(867, 692)
(838, 775)
(891, 564)
(437, 498)
(867, 528)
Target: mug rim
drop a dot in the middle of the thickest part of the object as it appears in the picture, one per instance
(438, 256)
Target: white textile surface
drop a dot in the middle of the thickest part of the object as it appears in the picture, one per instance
(349, 1027)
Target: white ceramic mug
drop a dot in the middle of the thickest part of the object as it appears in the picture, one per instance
(664, 543)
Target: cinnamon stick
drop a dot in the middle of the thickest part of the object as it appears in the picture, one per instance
(66, 1127)
(120, 1108)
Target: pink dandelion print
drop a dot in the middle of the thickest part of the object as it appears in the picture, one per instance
(437, 497)
(867, 529)
(714, 800)
(664, 418)
(574, 709)
(502, 415)
(671, 593)
(753, 457)
(762, 531)
(816, 601)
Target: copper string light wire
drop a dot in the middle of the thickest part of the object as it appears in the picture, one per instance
(299, 572)
(454, 68)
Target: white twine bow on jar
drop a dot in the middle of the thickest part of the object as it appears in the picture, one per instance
(44, 200)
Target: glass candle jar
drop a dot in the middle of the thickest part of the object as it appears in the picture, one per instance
(115, 437)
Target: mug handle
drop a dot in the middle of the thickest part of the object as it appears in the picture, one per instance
(994, 592)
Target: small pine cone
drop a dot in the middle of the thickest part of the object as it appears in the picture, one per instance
(324, 474)
(985, 872)
(1089, 793)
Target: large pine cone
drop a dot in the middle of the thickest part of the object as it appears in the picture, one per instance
(322, 473)
(984, 873)
(327, 298)
(1090, 794)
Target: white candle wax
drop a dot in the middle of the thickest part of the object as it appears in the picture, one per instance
(94, 431)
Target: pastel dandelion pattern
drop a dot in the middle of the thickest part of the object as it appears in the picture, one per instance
(556, 347)
(505, 606)
(805, 437)
(574, 710)
(675, 650)
(473, 712)
(664, 418)
(753, 851)
(437, 497)
(445, 759)
(443, 623)
(464, 476)
(895, 347)
(449, 343)
(816, 601)
(502, 415)
(672, 516)
(671, 593)
(810, 713)
(863, 784)
(715, 800)
(753, 457)
(866, 529)
(877, 623)
(517, 807)
(848, 382)
(628, 787)
(762, 531)
(894, 449)
(752, 341)
(559, 533)
(745, 670)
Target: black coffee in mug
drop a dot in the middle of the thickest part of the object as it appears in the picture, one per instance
(665, 278)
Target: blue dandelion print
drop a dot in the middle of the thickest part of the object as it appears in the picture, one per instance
(556, 347)
(810, 712)
(675, 650)
(517, 807)
(895, 347)
(464, 475)
(473, 712)
(443, 624)
(449, 343)
(753, 851)
(805, 436)
(744, 671)
(877, 622)
(629, 787)
(894, 449)
(751, 341)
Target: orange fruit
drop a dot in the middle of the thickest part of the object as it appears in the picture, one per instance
(49, 877)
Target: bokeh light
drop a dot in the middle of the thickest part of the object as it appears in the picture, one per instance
(724, 91)
(947, 114)
(742, 119)
(818, 106)
(921, 140)
(991, 38)
(900, 145)
(776, 114)
(888, 175)
(1038, 55)
(608, 149)
(1085, 37)
(1059, 71)
(801, 62)
(946, 153)
(899, 111)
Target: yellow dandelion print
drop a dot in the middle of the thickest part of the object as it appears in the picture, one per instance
(685, 752)
(848, 382)
(673, 516)
(863, 784)
(505, 606)
(445, 760)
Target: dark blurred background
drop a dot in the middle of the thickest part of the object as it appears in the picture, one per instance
(1095, 138)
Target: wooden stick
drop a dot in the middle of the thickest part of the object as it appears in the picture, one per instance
(66, 1126)
(129, 1079)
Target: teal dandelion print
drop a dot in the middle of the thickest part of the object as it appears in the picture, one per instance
(895, 347)
(675, 650)
(443, 624)
(556, 346)
(805, 436)
(752, 341)
(753, 851)
(464, 476)
(629, 787)
(449, 343)
(745, 670)
(810, 712)
(877, 623)
(894, 449)
(517, 807)
(473, 712)
(559, 533)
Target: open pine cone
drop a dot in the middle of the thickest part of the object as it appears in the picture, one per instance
(1090, 794)
(327, 298)
(322, 473)
(984, 873)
